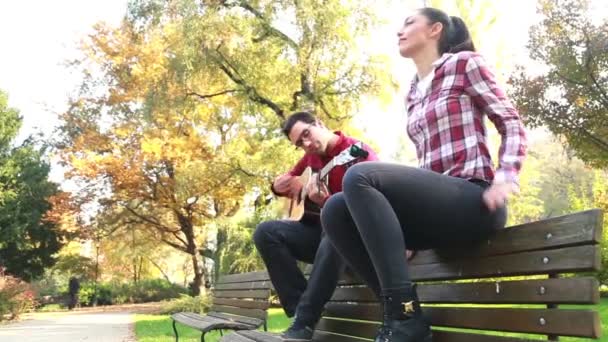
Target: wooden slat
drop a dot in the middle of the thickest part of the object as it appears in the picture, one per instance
(258, 336)
(198, 322)
(255, 313)
(571, 259)
(569, 230)
(248, 304)
(351, 328)
(577, 323)
(243, 277)
(256, 322)
(541, 291)
(367, 330)
(234, 337)
(321, 336)
(452, 336)
(256, 294)
(584, 290)
(368, 312)
(353, 294)
(581, 323)
(250, 285)
(207, 323)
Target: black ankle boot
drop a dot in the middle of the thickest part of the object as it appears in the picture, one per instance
(403, 320)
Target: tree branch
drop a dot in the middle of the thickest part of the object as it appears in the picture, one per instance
(159, 268)
(174, 245)
(179, 238)
(149, 220)
(269, 29)
(581, 129)
(207, 96)
(251, 92)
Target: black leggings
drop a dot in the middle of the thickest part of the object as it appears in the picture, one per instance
(385, 208)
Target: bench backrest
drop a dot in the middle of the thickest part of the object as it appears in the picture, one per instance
(466, 288)
(244, 294)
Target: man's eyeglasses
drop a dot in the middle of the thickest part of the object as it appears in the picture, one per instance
(304, 135)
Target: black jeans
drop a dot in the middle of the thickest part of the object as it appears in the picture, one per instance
(281, 243)
(385, 208)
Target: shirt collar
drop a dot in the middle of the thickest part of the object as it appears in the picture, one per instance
(442, 59)
(436, 64)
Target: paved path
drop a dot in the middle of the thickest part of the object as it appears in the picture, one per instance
(71, 326)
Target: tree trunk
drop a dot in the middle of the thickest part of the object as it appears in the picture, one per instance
(199, 275)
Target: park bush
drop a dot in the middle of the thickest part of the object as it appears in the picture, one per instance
(144, 291)
(185, 303)
(16, 296)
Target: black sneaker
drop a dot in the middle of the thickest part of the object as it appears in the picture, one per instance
(297, 333)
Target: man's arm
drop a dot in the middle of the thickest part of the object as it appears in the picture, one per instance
(287, 185)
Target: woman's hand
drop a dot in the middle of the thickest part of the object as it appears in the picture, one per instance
(497, 194)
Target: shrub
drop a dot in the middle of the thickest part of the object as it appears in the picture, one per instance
(185, 303)
(16, 296)
(149, 290)
(87, 297)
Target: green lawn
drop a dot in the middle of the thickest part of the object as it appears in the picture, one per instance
(157, 328)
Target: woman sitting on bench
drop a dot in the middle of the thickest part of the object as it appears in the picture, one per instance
(455, 197)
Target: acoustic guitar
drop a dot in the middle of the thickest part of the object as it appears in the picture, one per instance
(301, 205)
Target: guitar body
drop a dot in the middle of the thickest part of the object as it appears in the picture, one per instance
(297, 206)
(301, 206)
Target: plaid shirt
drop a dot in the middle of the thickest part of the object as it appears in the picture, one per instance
(446, 123)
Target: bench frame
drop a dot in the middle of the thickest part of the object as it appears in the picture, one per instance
(240, 302)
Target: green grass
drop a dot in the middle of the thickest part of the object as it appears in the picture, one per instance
(157, 328)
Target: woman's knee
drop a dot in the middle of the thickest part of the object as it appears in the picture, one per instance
(359, 175)
(333, 211)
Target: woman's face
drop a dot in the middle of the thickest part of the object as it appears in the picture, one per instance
(416, 34)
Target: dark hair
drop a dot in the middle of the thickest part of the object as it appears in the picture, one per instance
(455, 36)
(305, 117)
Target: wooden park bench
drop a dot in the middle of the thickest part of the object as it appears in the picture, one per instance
(464, 291)
(240, 302)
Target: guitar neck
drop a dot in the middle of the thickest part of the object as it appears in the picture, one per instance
(326, 169)
(350, 154)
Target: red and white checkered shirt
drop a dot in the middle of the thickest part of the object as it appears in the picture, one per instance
(446, 121)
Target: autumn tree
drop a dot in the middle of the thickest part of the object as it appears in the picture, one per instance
(593, 194)
(180, 106)
(567, 90)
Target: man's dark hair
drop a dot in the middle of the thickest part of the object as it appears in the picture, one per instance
(305, 117)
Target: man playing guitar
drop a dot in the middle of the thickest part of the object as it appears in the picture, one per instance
(282, 243)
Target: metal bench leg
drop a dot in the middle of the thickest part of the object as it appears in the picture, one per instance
(265, 326)
(203, 336)
(175, 331)
(221, 332)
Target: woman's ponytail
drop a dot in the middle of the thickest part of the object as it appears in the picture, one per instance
(455, 36)
(459, 38)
